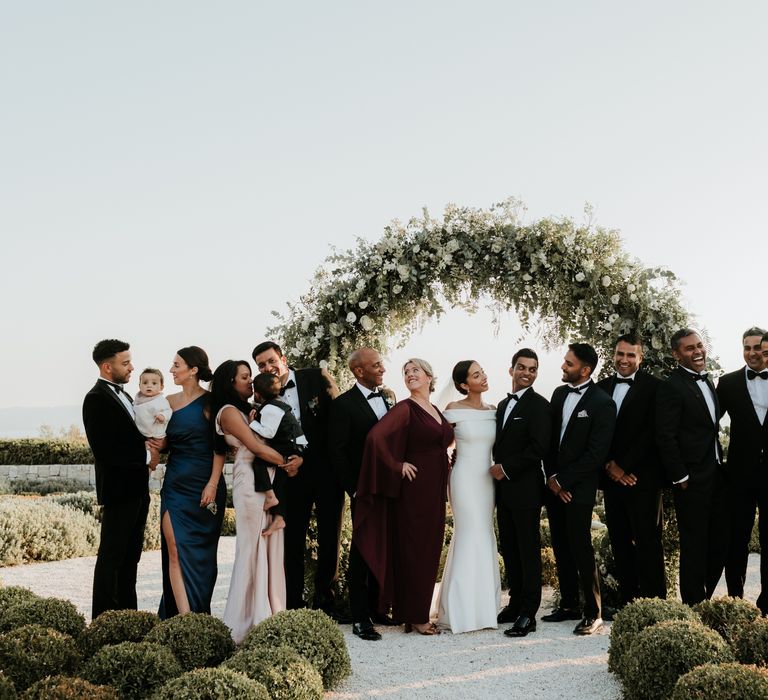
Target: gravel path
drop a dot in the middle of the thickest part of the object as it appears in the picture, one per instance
(551, 663)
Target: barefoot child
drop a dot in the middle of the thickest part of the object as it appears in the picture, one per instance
(151, 408)
(275, 422)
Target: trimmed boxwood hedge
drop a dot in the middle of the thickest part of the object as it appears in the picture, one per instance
(13, 595)
(727, 615)
(30, 653)
(212, 684)
(68, 688)
(54, 613)
(44, 451)
(7, 690)
(116, 626)
(722, 682)
(197, 640)
(751, 642)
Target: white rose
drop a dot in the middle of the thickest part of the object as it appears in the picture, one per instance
(580, 277)
(468, 264)
(416, 248)
(366, 322)
(615, 299)
(610, 260)
(656, 343)
(608, 326)
(351, 317)
(496, 248)
(404, 271)
(631, 287)
(363, 304)
(516, 267)
(314, 343)
(323, 364)
(606, 281)
(527, 277)
(305, 325)
(448, 258)
(396, 289)
(633, 297)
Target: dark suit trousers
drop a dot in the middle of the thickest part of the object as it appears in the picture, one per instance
(122, 539)
(702, 522)
(634, 520)
(363, 588)
(570, 525)
(314, 485)
(520, 540)
(743, 497)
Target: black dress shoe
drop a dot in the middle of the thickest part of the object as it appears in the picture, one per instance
(560, 614)
(589, 625)
(523, 625)
(384, 621)
(366, 631)
(506, 615)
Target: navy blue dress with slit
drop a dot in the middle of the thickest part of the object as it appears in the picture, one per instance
(196, 529)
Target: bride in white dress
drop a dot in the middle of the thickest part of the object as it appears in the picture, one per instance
(470, 593)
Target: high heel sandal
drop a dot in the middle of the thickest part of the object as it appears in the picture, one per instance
(429, 631)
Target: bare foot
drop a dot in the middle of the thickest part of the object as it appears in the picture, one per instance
(270, 500)
(278, 523)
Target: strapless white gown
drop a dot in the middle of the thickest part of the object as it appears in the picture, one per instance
(470, 592)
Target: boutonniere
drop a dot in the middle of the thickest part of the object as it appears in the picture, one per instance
(388, 396)
(582, 414)
(312, 405)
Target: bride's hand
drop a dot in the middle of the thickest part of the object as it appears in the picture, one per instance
(409, 471)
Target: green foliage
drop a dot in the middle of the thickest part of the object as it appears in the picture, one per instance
(43, 487)
(751, 642)
(726, 615)
(32, 652)
(312, 634)
(116, 626)
(44, 451)
(212, 684)
(83, 501)
(13, 595)
(634, 618)
(548, 568)
(606, 569)
(660, 654)
(754, 539)
(152, 529)
(36, 529)
(544, 533)
(229, 524)
(55, 613)
(67, 688)
(722, 682)
(7, 689)
(134, 669)
(285, 674)
(196, 639)
(310, 562)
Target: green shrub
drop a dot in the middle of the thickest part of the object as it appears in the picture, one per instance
(32, 652)
(634, 618)
(40, 530)
(212, 684)
(116, 626)
(285, 674)
(726, 615)
(751, 642)
(44, 451)
(722, 682)
(606, 569)
(7, 690)
(55, 613)
(544, 533)
(49, 485)
(548, 567)
(13, 595)
(152, 529)
(312, 634)
(665, 651)
(66, 688)
(135, 669)
(229, 525)
(754, 540)
(341, 591)
(196, 639)
(83, 501)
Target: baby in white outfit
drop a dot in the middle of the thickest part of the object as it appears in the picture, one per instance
(151, 408)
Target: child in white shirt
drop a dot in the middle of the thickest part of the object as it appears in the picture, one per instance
(150, 407)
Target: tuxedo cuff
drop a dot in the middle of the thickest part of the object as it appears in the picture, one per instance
(149, 456)
(680, 481)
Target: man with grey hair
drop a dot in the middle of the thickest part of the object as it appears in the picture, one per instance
(743, 395)
(687, 426)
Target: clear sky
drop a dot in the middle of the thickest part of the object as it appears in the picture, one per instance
(170, 172)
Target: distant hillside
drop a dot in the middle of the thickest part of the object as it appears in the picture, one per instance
(26, 421)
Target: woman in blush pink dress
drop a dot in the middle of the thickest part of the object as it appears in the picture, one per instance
(257, 587)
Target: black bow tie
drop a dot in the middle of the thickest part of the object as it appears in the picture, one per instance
(751, 374)
(117, 387)
(513, 397)
(375, 395)
(575, 389)
(625, 380)
(288, 385)
(699, 377)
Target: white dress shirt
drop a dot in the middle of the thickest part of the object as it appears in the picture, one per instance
(620, 390)
(269, 421)
(291, 396)
(512, 403)
(376, 403)
(570, 403)
(710, 401)
(758, 392)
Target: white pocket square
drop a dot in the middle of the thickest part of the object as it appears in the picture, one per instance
(582, 414)
(518, 418)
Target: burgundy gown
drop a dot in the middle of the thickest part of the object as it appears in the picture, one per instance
(400, 524)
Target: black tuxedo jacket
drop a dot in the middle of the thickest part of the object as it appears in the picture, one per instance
(749, 438)
(633, 446)
(685, 434)
(521, 445)
(314, 406)
(120, 456)
(351, 418)
(579, 459)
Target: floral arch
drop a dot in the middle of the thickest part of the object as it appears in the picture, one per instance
(567, 281)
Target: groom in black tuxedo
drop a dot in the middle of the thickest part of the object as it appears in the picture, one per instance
(353, 414)
(121, 458)
(687, 427)
(633, 478)
(309, 393)
(743, 395)
(523, 426)
(583, 417)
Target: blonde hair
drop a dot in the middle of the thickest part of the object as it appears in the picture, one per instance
(425, 367)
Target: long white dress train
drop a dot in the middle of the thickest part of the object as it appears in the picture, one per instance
(470, 592)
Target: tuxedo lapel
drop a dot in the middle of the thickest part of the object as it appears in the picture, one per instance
(104, 388)
(744, 395)
(690, 383)
(574, 415)
(500, 411)
(364, 405)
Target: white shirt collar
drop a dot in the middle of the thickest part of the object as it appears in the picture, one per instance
(365, 390)
(631, 376)
(580, 386)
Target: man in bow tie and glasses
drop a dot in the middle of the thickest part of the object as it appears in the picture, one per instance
(523, 425)
(583, 416)
(743, 395)
(687, 435)
(632, 479)
(309, 393)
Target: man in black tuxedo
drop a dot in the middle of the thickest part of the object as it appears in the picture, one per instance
(353, 414)
(121, 460)
(743, 395)
(633, 477)
(687, 425)
(523, 428)
(309, 393)
(583, 416)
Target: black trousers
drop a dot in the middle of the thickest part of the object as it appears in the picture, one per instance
(520, 542)
(570, 525)
(122, 539)
(635, 518)
(363, 587)
(702, 522)
(315, 486)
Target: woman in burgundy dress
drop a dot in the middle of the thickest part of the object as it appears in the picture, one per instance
(400, 501)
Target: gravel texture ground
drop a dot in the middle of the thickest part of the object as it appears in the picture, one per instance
(551, 663)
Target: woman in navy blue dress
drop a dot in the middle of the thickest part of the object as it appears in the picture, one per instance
(193, 496)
